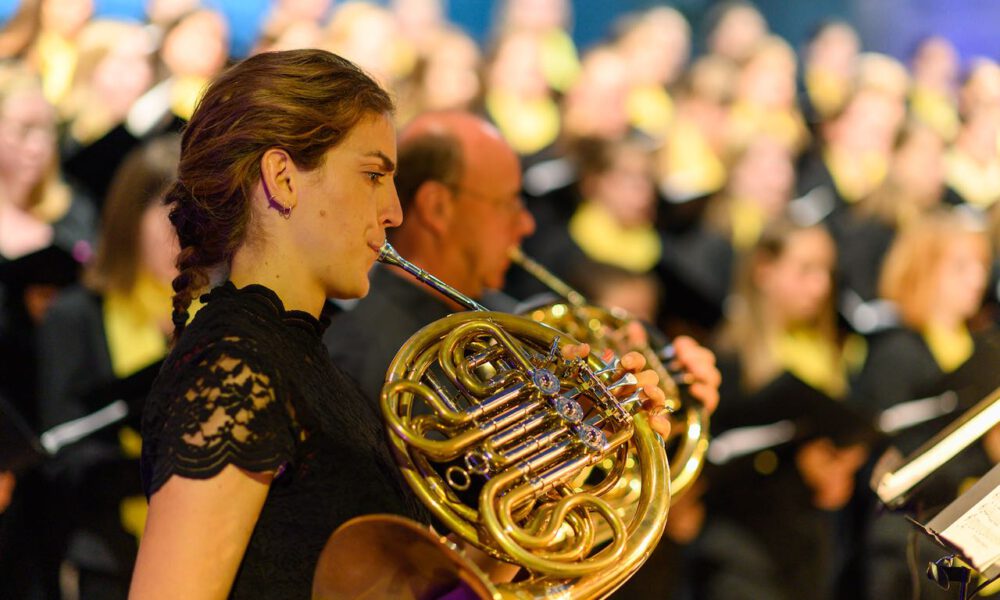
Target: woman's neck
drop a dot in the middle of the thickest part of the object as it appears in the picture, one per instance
(285, 277)
(14, 194)
(945, 322)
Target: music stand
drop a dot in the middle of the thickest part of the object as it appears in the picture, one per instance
(895, 479)
(969, 528)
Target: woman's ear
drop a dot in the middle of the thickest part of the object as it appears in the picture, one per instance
(279, 178)
(434, 206)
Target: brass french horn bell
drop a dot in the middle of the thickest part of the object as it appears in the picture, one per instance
(492, 428)
(689, 437)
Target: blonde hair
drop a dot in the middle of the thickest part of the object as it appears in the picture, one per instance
(748, 332)
(86, 112)
(911, 266)
(50, 198)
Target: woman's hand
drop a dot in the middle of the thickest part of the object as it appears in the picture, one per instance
(653, 400)
(700, 374)
(829, 471)
(694, 362)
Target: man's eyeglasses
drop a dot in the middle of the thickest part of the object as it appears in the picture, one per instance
(513, 204)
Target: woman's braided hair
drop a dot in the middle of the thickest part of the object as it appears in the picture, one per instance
(302, 101)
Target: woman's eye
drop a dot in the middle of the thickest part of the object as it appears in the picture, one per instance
(375, 177)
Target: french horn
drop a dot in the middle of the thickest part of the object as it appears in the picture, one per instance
(689, 437)
(492, 428)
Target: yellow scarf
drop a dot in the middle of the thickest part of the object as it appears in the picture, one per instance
(747, 221)
(527, 125)
(185, 94)
(650, 110)
(748, 121)
(936, 110)
(977, 183)
(132, 325)
(950, 347)
(827, 93)
(135, 340)
(855, 177)
(690, 166)
(560, 63)
(805, 353)
(57, 58)
(635, 249)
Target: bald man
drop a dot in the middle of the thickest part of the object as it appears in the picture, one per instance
(459, 185)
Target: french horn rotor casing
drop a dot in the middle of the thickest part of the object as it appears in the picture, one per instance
(596, 325)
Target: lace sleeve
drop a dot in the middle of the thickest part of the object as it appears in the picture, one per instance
(219, 407)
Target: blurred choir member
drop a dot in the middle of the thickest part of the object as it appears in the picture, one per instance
(934, 95)
(765, 100)
(518, 98)
(852, 157)
(757, 192)
(121, 323)
(548, 22)
(913, 186)
(607, 214)
(690, 165)
(769, 531)
(114, 68)
(38, 210)
(420, 22)
(368, 35)
(195, 48)
(935, 274)
(655, 45)
(55, 50)
(45, 233)
(445, 77)
(828, 70)
(733, 30)
(973, 161)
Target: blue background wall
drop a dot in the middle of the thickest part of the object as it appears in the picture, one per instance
(891, 26)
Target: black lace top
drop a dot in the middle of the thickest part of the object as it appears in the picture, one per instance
(251, 384)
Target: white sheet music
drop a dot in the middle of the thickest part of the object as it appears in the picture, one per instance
(977, 532)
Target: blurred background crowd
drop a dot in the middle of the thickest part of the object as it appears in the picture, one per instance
(824, 217)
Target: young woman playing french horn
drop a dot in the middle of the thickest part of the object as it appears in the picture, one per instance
(256, 446)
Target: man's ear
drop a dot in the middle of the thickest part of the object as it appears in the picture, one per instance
(434, 206)
(280, 177)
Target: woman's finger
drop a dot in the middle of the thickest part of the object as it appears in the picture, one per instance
(571, 351)
(647, 379)
(655, 395)
(633, 361)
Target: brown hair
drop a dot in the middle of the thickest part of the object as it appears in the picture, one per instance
(747, 331)
(17, 35)
(910, 268)
(302, 101)
(141, 180)
(431, 156)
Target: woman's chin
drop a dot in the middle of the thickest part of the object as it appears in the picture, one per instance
(350, 292)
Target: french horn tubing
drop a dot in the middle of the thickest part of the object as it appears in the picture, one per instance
(492, 428)
(586, 322)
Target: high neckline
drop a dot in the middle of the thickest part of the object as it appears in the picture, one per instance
(268, 297)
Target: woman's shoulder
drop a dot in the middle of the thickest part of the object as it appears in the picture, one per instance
(216, 402)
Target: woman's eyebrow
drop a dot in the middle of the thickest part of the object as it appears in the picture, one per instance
(387, 163)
